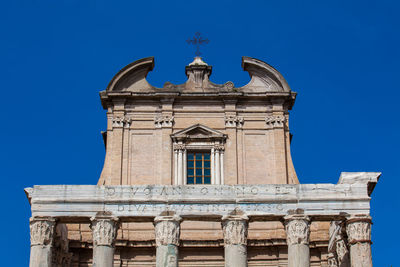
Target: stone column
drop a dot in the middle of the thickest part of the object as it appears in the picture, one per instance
(212, 166)
(221, 164)
(217, 167)
(358, 230)
(104, 230)
(184, 169)
(235, 239)
(167, 230)
(180, 166)
(42, 236)
(176, 181)
(297, 228)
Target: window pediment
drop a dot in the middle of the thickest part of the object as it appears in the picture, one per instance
(198, 132)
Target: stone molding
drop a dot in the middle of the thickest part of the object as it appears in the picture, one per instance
(167, 230)
(235, 229)
(42, 231)
(104, 231)
(297, 229)
(275, 121)
(121, 122)
(232, 121)
(358, 229)
(164, 121)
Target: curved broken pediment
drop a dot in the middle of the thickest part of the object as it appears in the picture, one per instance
(133, 76)
(264, 79)
(263, 76)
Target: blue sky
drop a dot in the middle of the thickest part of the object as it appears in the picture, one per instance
(342, 57)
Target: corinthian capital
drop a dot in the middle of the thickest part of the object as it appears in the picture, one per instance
(359, 229)
(235, 228)
(119, 122)
(104, 231)
(233, 121)
(167, 230)
(42, 231)
(275, 121)
(297, 229)
(164, 121)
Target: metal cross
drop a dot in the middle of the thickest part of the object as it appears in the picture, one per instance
(197, 41)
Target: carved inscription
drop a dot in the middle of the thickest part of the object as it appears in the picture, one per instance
(237, 191)
(149, 209)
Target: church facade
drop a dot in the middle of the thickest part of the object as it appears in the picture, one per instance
(200, 174)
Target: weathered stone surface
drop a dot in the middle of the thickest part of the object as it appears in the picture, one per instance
(149, 200)
(104, 231)
(167, 230)
(359, 237)
(298, 234)
(42, 238)
(235, 229)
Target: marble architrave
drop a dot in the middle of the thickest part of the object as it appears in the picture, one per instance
(327, 200)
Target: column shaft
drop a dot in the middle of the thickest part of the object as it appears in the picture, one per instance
(212, 166)
(359, 237)
(180, 166)
(104, 232)
(167, 230)
(298, 234)
(235, 229)
(221, 164)
(217, 167)
(176, 181)
(184, 169)
(42, 236)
